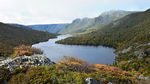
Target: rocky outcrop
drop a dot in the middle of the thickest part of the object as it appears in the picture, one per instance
(148, 51)
(143, 77)
(139, 53)
(26, 61)
(124, 50)
(127, 50)
(92, 81)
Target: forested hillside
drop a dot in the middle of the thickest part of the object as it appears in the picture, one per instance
(130, 35)
(114, 33)
(18, 25)
(11, 36)
(88, 24)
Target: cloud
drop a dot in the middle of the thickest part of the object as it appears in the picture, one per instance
(61, 11)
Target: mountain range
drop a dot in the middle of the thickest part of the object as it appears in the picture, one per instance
(52, 28)
(85, 24)
(80, 25)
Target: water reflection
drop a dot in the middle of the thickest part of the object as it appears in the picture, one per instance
(92, 54)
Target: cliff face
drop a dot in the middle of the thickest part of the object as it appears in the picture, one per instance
(26, 61)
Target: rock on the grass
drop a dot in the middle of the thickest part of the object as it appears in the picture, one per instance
(92, 81)
(26, 61)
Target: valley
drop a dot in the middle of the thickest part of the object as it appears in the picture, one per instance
(113, 48)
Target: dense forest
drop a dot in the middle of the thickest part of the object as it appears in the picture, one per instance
(129, 35)
(11, 37)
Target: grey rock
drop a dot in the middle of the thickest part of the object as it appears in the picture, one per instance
(139, 53)
(147, 78)
(141, 77)
(92, 81)
(26, 61)
(148, 43)
(126, 50)
(148, 51)
(110, 83)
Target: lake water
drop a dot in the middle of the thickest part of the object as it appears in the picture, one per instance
(91, 54)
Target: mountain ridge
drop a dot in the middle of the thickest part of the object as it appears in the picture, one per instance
(85, 24)
(51, 28)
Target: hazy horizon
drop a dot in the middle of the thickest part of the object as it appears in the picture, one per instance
(30, 12)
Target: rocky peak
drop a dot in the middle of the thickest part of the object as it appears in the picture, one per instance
(84, 20)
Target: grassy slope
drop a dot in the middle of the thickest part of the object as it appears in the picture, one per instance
(13, 36)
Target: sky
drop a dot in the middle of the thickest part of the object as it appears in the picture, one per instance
(29, 12)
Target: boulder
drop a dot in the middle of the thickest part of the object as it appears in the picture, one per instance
(141, 77)
(92, 81)
(139, 53)
(110, 83)
(124, 50)
(26, 61)
(147, 78)
(148, 51)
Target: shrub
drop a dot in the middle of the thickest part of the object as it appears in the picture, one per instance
(26, 50)
(4, 74)
(47, 75)
(73, 64)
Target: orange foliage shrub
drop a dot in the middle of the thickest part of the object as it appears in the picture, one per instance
(73, 64)
(78, 65)
(107, 68)
(26, 50)
(111, 69)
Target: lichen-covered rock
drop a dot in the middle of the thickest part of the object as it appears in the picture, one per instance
(124, 50)
(141, 77)
(26, 61)
(92, 81)
(109, 83)
(148, 51)
(139, 53)
(127, 50)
